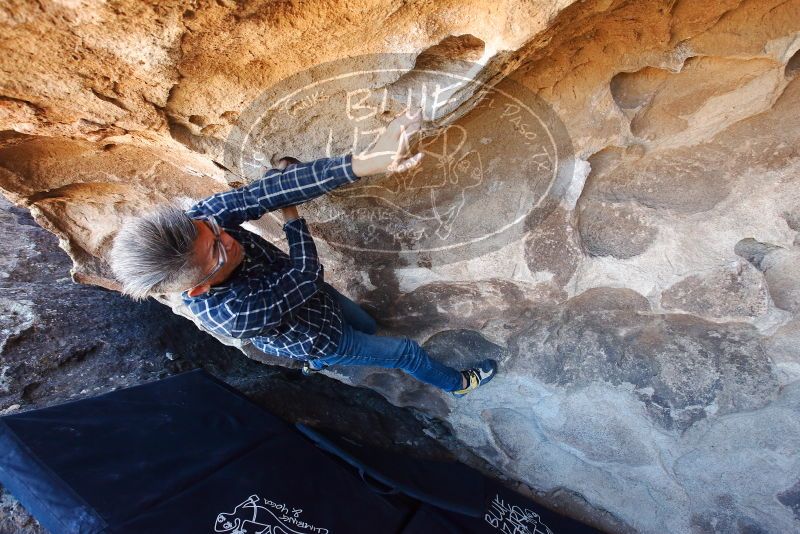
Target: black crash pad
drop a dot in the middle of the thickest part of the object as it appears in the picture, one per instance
(190, 454)
(184, 454)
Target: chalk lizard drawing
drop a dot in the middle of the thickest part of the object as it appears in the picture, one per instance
(456, 168)
(250, 517)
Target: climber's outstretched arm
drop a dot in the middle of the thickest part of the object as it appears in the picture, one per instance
(293, 185)
(302, 182)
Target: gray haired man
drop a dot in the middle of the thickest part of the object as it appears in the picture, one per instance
(240, 285)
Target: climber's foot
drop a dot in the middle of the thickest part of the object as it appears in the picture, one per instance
(477, 376)
(309, 369)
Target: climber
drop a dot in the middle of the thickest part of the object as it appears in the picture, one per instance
(242, 286)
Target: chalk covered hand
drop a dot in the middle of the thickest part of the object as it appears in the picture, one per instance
(391, 151)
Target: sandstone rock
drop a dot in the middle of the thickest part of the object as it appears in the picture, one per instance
(686, 180)
(614, 230)
(783, 348)
(781, 268)
(427, 309)
(551, 246)
(791, 498)
(738, 290)
(746, 438)
(702, 94)
(784, 343)
(793, 220)
(682, 368)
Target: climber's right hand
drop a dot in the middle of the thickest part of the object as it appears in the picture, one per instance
(392, 151)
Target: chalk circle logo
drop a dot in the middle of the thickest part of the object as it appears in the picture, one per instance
(496, 155)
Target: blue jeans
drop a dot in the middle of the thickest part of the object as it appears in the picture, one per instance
(359, 346)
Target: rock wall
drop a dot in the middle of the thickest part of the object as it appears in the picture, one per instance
(643, 305)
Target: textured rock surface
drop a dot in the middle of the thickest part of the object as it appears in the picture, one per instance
(645, 312)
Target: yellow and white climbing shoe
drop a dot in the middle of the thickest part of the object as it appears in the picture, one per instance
(477, 376)
(310, 367)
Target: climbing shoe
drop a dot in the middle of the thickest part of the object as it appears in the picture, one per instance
(309, 369)
(477, 376)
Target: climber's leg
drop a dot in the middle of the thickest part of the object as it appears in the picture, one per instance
(360, 348)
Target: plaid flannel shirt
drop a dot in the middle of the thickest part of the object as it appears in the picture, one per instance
(273, 298)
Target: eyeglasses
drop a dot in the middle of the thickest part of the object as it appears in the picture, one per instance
(222, 256)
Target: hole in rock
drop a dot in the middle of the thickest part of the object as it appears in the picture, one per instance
(198, 120)
(450, 51)
(631, 90)
(793, 65)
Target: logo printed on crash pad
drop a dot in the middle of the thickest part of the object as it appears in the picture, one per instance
(512, 519)
(256, 515)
